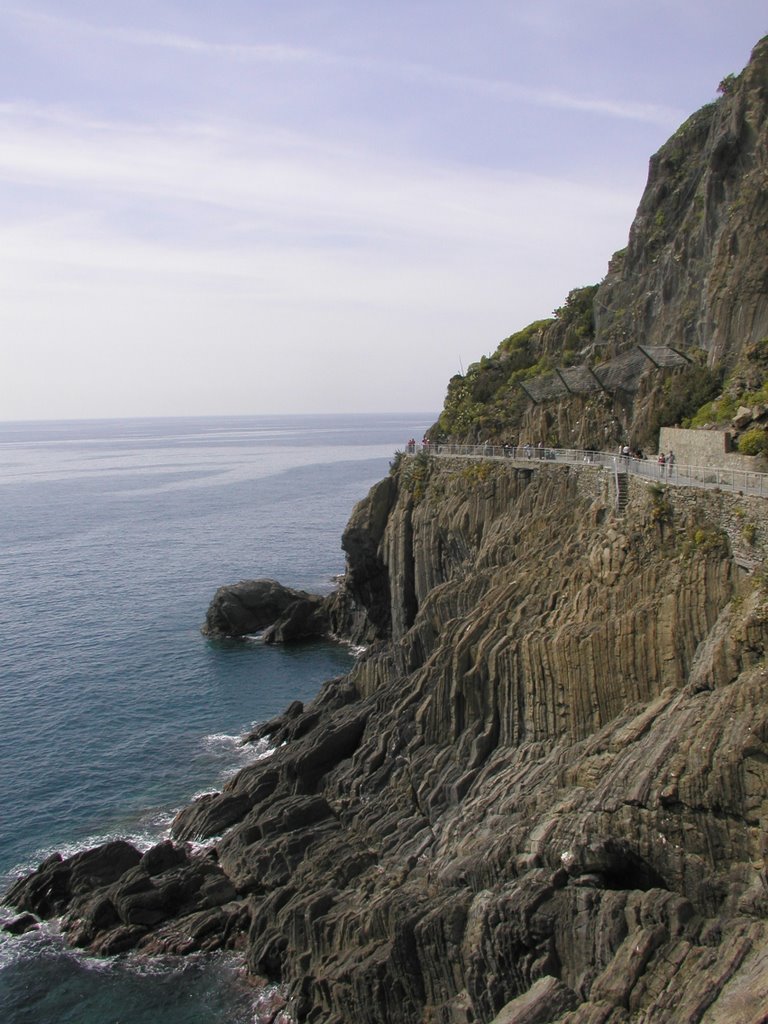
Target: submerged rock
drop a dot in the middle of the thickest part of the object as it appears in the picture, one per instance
(22, 924)
(112, 899)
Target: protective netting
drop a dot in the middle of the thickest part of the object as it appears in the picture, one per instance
(545, 388)
(661, 355)
(623, 372)
(579, 380)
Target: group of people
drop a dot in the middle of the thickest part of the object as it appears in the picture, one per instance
(528, 451)
(666, 462)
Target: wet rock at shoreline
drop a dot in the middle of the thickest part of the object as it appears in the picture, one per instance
(250, 606)
(112, 899)
(553, 769)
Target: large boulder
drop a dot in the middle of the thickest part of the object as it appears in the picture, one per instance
(49, 890)
(305, 619)
(112, 899)
(239, 609)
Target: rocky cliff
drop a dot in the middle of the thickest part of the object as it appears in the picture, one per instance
(693, 279)
(694, 273)
(540, 796)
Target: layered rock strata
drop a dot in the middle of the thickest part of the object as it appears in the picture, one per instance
(541, 795)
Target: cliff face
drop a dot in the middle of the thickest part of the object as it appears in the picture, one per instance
(539, 796)
(693, 279)
(694, 274)
(563, 772)
(695, 271)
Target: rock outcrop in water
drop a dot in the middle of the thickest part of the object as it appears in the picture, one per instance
(541, 798)
(283, 615)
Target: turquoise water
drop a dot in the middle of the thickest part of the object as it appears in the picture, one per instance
(115, 710)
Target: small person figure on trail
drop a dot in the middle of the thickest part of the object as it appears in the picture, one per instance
(662, 463)
(670, 461)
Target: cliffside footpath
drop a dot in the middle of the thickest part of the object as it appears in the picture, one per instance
(539, 796)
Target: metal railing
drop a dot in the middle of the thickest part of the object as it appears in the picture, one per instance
(738, 480)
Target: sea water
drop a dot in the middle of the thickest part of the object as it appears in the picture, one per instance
(114, 709)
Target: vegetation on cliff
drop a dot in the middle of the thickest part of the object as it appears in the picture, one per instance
(487, 401)
(694, 276)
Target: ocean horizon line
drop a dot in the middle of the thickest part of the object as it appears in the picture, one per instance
(148, 418)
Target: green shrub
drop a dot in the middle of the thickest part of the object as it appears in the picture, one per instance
(396, 462)
(685, 393)
(754, 442)
(748, 533)
(577, 312)
(661, 507)
(415, 476)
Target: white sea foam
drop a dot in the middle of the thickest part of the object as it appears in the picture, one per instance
(140, 964)
(230, 753)
(216, 740)
(201, 793)
(236, 750)
(156, 828)
(47, 939)
(31, 944)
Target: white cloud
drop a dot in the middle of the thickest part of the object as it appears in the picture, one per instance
(514, 93)
(271, 53)
(170, 264)
(291, 275)
(503, 90)
(289, 188)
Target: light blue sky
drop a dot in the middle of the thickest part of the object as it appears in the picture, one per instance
(268, 207)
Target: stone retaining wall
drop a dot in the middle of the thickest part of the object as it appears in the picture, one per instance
(707, 448)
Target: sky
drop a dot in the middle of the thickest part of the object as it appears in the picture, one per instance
(303, 206)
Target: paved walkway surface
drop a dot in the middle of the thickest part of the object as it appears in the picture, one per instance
(739, 481)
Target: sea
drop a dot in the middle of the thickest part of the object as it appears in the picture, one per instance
(115, 711)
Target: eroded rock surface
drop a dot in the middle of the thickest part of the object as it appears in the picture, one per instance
(539, 796)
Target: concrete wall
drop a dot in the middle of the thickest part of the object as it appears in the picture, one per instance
(707, 448)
